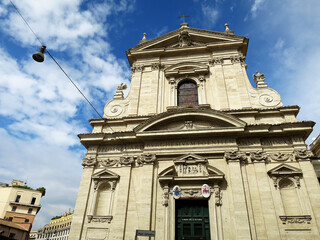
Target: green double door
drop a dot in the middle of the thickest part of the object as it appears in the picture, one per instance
(192, 220)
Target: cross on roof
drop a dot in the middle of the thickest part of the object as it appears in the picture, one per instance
(183, 17)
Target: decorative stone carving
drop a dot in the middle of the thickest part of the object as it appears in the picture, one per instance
(281, 157)
(89, 161)
(100, 219)
(258, 156)
(108, 162)
(126, 160)
(146, 159)
(259, 80)
(235, 155)
(191, 193)
(303, 154)
(188, 124)
(184, 39)
(285, 171)
(216, 61)
(165, 196)
(236, 59)
(156, 66)
(218, 197)
(300, 219)
(137, 68)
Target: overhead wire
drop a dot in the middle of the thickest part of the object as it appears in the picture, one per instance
(73, 83)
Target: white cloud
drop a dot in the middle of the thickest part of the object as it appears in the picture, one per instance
(211, 14)
(294, 54)
(41, 111)
(256, 7)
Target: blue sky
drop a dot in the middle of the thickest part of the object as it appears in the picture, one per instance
(41, 113)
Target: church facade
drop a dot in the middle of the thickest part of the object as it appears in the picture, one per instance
(195, 151)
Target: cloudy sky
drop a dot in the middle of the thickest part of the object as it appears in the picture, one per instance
(41, 113)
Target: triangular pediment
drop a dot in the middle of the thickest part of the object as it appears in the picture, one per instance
(186, 68)
(190, 159)
(285, 169)
(190, 120)
(190, 167)
(105, 175)
(198, 37)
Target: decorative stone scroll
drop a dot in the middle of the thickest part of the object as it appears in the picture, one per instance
(137, 68)
(108, 162)
(216, 61)
(280, 157)
(259, 156)
(237, 59)
(146, 159)
(218, 197)
(127, 160)
(299, 219)
(89, 161)
(165, 196)
(303, 154)
(156, 66)
(235, 155)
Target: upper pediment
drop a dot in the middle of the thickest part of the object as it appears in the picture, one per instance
(105, 175)
(284, 169)
(188, 38)
(190, 120)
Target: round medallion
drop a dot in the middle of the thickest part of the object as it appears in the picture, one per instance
(176, 192)
(205, 190)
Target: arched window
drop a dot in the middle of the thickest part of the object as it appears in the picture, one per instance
(289, 197)
(187, 94)
(103, 199)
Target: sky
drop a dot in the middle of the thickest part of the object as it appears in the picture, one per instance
(41, 112)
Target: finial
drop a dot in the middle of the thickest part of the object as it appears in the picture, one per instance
(227, 29)
(259, 79)
(184, 25)
(144, 38)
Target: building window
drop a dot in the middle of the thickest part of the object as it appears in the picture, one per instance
(18, 198)
(30, 210)
(187, 94)
(12, 235)
(14, 208)
(10, 219)
(26, 220)
(33, 200)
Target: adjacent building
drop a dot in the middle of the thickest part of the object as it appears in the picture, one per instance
(10, 231)
(57, 229)
(195, 151)
(19, 203)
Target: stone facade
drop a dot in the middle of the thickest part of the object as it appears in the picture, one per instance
(234, 152)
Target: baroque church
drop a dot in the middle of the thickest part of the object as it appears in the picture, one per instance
(195, 151)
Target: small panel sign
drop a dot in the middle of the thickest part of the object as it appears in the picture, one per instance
(145, 233)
